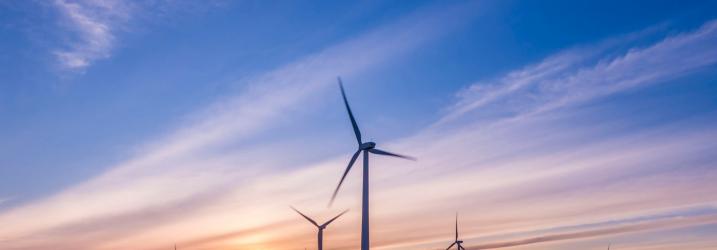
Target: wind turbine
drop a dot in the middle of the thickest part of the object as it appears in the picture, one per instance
(456, 241)
(321, 227)
(366, 148)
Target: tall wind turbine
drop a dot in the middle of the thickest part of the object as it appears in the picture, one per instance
(320, 227)
(456, 241)
(366, 148)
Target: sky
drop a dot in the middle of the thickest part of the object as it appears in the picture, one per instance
(543, 124)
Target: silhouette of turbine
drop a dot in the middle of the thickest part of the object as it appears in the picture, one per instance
(456, 241)
(366, 148)
(320, 227)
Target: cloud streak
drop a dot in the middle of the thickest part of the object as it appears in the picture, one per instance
(630, 228)
(93, 25)
(578, 75)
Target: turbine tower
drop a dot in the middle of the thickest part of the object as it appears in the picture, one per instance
(366, 148)
(456, 241)
(320, 227)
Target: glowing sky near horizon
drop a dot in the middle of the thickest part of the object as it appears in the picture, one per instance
(545, 125)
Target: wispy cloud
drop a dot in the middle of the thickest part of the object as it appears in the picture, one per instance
(583, 74)
(91, 28)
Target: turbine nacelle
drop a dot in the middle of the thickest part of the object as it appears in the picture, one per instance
(367, 145)
(459, 242)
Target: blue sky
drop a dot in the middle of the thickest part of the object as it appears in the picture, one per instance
(113, 111)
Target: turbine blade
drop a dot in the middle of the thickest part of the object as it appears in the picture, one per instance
(337, 216)
(307, 217)
(461, 248)
(357, 132)
(449, 247)
(381, 152)
(348, 168)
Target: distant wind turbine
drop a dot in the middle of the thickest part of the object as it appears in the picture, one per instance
(608, 246)
(456, 241)
(320, 227)
(364, 147)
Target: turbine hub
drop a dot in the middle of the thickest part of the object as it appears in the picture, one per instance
(367, 145)
(460, 241)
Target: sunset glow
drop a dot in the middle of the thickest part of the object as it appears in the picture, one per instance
(544, 125)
